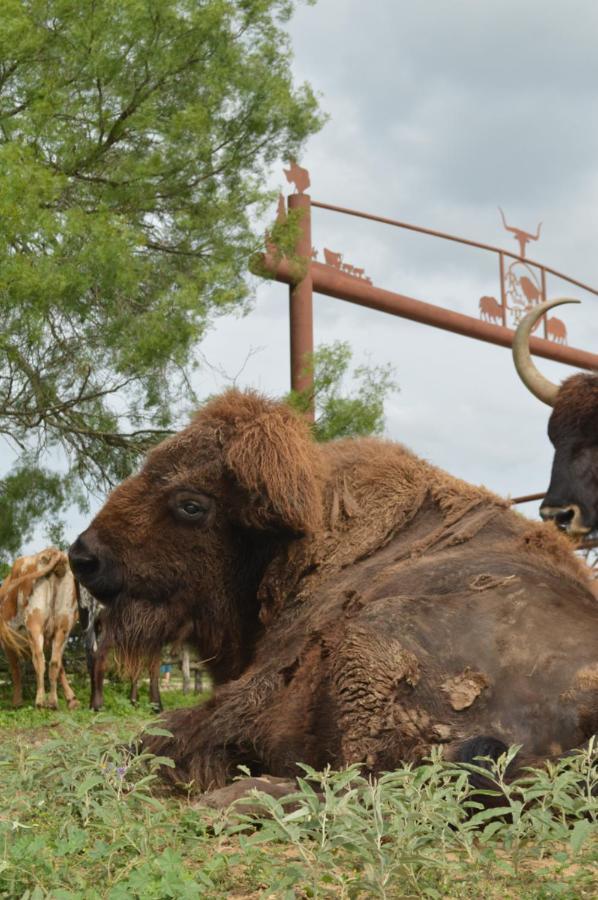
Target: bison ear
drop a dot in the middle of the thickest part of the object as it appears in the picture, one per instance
(275, 462)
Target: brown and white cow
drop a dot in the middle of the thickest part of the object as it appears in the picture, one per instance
(39, 597)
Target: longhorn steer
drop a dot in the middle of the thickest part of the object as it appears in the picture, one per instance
(572, 497)
(39, 597)
(353, 603)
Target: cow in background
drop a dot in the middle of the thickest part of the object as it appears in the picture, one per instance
(98, 645)
(39, 596)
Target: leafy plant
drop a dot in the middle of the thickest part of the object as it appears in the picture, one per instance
(423, 832)
(340, 411)
(134, 141)
(83, 816)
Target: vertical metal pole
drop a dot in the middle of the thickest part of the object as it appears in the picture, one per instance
(186, 669)
(543, 272)
(503, 296)
(301, 306)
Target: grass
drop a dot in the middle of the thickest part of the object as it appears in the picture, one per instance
(82, 817)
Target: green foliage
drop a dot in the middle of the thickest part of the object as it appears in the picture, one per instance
(26, 494)
(84, 817)
(281, 243)
(134, 140)
(117, 705)
(423, 832)
(339, 415)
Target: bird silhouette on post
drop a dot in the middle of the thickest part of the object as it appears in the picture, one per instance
(298, 176)
(524, 237)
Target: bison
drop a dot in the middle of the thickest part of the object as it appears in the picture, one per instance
(353, 603)
(571, 501)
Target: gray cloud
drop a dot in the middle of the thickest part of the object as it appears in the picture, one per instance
(439, 113)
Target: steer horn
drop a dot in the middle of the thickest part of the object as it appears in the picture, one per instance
(540, 386)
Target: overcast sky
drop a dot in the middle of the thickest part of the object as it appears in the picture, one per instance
(438, 113)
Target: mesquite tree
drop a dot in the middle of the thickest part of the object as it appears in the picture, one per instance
(134, 140)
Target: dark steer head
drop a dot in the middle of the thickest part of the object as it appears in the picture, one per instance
(178, 551)
(572, 497)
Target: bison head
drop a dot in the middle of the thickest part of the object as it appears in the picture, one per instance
(178, 550)
(572, 497)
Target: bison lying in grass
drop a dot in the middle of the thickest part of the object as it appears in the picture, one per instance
(353, 603)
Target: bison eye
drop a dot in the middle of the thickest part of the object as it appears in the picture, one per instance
(191, 507)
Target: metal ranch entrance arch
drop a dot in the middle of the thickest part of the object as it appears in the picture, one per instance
(522, 282)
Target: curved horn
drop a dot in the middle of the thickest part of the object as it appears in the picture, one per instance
(534, 381)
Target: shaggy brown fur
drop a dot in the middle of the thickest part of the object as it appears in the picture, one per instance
(353, 602)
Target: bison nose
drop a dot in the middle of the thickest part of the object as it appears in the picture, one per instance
(95, 566)
(564, 517)
(82, 560)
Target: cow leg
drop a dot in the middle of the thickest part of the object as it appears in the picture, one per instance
(99, 671)
(154, 688)
(69, 694)
(90, 656)
(58, 642)
(186, 667)
(200, 758)
(134, 695)
(35, 628)
(15, 673)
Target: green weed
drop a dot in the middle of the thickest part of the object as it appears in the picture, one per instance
(83, 815)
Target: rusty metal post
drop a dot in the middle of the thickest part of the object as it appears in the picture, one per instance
(334, 283)
(301, 306)
(527, 498)
(503, 295)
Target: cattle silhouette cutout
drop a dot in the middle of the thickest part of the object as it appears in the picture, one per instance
(333, 259)
(533, 295)
(523, 237)
(298, 176)
(556, 330)
(490, 309)
(336, 261)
